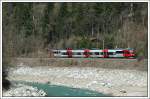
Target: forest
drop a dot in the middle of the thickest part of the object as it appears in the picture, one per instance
(30, 28)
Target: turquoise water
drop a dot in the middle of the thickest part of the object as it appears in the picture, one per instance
(64, 91)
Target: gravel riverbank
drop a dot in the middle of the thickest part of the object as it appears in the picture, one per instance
(23, 90)
(109, 81)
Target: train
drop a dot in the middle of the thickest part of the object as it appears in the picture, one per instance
(94, 53)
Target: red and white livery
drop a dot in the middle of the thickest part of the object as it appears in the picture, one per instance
(94, 53)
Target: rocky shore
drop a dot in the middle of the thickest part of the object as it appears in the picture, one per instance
(108, 81)
(23, 90)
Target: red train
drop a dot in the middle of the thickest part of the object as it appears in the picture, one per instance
(94, 53)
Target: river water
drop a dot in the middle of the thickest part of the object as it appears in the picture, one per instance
(62, 91)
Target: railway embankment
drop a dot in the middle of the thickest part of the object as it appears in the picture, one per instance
(83, 62)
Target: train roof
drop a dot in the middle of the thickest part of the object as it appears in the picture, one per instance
(96, 49)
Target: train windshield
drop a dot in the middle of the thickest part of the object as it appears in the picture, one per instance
(119, 52)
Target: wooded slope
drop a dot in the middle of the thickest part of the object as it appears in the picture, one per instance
(30, 28)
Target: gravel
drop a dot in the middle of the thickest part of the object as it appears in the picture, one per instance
(104, 76)
(24, 90)
(93, 78)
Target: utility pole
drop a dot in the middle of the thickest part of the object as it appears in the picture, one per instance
(92, 30)
(103, 43)
(97, 40)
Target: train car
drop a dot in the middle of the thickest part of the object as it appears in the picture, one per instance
(94, 53)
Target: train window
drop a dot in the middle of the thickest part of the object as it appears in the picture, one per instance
(90, 53)
(64, 53)
(111, 53)
(101, 53)
(119, 52)
(96, 53)
(56, 52)
(78, 53)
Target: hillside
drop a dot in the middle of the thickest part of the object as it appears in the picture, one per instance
(31, 28)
